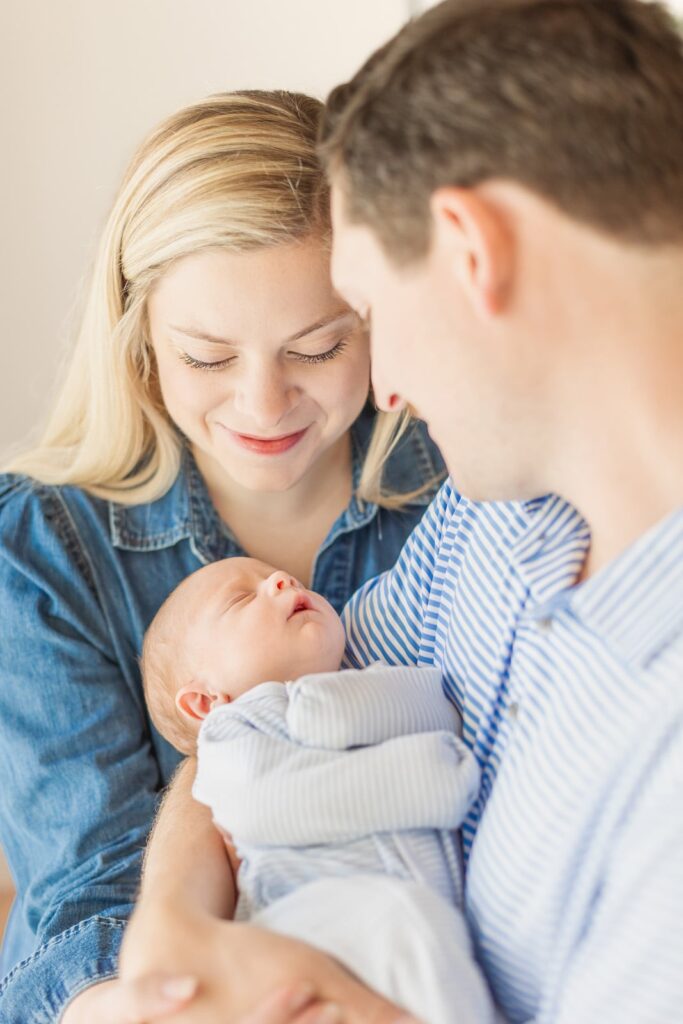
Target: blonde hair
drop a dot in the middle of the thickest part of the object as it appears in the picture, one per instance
(238, 170)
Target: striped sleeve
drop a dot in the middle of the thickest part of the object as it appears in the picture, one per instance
(629, 966)
(384, 619)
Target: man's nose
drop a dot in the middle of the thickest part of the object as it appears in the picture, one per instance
(388, 401)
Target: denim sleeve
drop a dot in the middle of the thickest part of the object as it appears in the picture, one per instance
(79, 778)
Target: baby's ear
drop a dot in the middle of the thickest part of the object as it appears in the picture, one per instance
(193, 702)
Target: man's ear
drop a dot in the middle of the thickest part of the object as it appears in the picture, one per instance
(195, 702)
(471, 233)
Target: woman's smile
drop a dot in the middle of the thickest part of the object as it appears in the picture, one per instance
(267, 445)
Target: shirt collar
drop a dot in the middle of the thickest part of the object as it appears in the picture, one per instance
(155, 524)
(551, 548)
(636, 602)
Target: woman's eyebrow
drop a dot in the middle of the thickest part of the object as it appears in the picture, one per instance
(326, 321)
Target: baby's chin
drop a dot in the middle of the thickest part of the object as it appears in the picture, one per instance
(306, 663)
(324, 659)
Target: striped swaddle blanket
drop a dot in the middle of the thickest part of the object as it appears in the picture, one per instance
(343, 792)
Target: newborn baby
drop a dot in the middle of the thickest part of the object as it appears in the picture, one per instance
(341, 790)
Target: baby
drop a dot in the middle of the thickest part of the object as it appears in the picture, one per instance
(341, 790)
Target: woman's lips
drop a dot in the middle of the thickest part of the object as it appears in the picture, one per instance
(268, 445)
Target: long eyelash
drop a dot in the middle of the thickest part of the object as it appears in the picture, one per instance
(322, 357)
(198, 364)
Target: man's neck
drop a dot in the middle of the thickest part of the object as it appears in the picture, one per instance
(610, 437)
(624, 472)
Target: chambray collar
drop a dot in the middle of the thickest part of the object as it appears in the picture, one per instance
(186, 511)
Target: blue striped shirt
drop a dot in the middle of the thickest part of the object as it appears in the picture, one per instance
(572, 700)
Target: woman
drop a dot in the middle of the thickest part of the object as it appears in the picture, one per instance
(216, 403)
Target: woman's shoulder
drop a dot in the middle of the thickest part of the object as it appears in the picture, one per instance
(39, 519)
(22, 495)
(42, 522)
(23, 500)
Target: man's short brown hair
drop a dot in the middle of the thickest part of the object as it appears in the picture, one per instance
(581, 101)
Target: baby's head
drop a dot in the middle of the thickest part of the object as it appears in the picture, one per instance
(225, 629)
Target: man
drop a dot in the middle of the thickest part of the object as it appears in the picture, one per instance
(508, 211)
(508, 207)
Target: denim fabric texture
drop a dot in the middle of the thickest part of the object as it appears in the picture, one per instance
(81, 766)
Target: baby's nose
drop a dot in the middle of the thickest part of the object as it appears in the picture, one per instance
(282, 581)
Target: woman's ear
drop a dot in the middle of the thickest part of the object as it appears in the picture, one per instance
(472, 236)
(195, 702)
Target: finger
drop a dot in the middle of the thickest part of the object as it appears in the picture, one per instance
(146, 999)
(283, 1006)
(323, 1013)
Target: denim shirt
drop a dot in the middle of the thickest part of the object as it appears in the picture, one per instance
(81, 766)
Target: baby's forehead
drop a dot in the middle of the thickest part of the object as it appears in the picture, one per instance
(243, 570)
(228, 574)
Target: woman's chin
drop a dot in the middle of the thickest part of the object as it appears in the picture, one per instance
(249, 471)
(268, 480)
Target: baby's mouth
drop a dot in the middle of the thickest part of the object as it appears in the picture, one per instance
(301, 604)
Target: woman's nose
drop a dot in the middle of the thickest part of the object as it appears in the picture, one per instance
(264, 396)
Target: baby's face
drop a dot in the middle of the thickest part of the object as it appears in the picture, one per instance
(248, 623)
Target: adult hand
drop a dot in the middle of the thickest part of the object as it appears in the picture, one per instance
(244, 974)
(130, 1002)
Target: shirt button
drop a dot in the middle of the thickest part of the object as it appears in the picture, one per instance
(513, 711)
(545, 624)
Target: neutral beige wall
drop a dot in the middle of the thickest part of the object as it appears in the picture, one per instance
(81, 82)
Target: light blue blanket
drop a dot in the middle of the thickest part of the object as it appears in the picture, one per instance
(343, 792)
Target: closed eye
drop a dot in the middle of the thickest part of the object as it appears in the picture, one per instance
(236, 599)
(200, 364)
(301, 357)
(322, 357)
